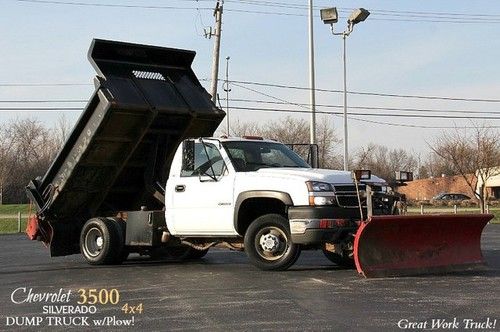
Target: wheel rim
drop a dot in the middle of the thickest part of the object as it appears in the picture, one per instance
(271, 243)
(94, 242)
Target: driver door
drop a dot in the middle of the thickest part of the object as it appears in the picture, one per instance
(202, 197)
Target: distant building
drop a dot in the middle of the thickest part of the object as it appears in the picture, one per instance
(426, 189)
(492, 184)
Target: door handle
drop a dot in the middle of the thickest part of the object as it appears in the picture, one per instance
(180, 188)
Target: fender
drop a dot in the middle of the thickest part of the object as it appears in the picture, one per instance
(282, 196)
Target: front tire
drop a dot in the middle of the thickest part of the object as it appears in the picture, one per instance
(268, 243)
(101, 242)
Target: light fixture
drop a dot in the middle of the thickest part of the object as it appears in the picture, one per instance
(358, 15)
(329, 15)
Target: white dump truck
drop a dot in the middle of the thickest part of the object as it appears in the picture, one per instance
(141, 174)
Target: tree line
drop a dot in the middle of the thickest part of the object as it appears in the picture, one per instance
(380, 159)
(473, 153)
(28, 147)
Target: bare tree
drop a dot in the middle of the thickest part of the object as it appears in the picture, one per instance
(383, 161)
(435, 166)
(27, 148)
(474, 154)
(62, 129)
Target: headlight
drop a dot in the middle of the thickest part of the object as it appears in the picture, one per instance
(321, 200)
(315, 186)
(320, 193)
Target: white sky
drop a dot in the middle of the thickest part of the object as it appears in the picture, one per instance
(457, 57)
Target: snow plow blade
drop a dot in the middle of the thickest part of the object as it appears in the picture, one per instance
(388, 246)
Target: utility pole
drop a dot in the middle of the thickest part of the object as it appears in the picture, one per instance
(312, 125)
(216, 53)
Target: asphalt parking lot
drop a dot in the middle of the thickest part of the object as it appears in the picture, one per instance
(224, 292)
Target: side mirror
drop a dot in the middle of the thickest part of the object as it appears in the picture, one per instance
(188, 155)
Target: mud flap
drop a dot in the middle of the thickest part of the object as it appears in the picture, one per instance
(388, 246)
(36, 229)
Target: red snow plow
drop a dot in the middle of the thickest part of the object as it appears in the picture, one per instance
(423, 244)
(401, 245)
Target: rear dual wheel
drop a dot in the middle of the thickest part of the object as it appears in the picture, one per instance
(102, 241)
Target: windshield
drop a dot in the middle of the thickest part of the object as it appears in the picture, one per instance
(248, 156)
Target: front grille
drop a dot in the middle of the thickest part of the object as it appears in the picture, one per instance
(348, 201)
(348, 188)
(347, 197)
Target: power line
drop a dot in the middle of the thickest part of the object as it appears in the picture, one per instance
(432, 13)
(401, 109)
(406, 18)
(304, 6)
(401, 16)
(40, 109)
(284, 86)
(405, 14)
(423, 116)
(358, 119)
(280, 110)
(44, 101)
(352, 116)
(43, 84)
(94, 4)
(415, 20)
(258, 101)
(369, 93)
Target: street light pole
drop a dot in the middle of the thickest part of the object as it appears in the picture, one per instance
(312, 88)
(330, 16)
(346, 149)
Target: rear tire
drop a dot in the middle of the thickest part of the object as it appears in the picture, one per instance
(121, 228)
(268, 243)
(338, 259)
(177, 253)
(101, 242)
(197, 254)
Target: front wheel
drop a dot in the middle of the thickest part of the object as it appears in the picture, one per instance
(268, 243)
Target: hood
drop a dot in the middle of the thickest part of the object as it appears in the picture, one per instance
(314, 174)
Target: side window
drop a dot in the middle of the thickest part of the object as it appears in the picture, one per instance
(206, 159)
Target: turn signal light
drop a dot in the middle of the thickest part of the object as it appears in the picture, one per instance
(331, 223)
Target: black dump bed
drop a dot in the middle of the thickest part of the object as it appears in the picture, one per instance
(117, 158)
